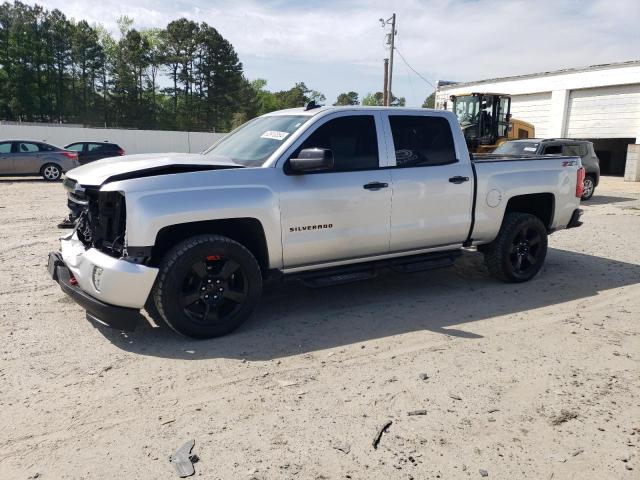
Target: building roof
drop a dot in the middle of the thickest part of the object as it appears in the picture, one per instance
(632, 63)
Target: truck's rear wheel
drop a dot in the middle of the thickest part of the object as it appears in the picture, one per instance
(519, 250)
(207, 286)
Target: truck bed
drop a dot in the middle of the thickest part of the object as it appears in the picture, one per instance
(492, 157)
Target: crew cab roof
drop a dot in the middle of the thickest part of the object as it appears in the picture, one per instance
(323, 109)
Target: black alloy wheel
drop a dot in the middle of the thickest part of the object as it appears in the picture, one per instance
(207, 286)
(214, 290)
(519, 250)
(525, 250)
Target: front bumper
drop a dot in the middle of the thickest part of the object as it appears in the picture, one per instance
(111, 315)
(124, 286)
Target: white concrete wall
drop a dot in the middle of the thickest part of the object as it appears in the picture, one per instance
(132, 141)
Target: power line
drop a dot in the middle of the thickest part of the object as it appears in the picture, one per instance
(414, 70)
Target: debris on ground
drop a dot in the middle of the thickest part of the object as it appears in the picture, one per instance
(417, 412)
(376, 439)
(563, 416)
(423, 376)
(343, 447)
(483, 473)
(183, 461)
(455, 396)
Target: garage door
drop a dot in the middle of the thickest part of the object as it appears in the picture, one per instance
(534, 108)
(606, 112)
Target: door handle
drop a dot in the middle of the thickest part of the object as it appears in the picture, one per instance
(375, 185)
(458, 179)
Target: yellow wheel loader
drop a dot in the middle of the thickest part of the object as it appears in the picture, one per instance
(486, 120)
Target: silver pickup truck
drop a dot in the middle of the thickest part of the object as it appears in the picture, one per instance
(325, 195)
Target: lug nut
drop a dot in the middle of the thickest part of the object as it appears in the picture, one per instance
(208, 281)
(215, 297)
(206, 296)
(220, 289)
(218, 281)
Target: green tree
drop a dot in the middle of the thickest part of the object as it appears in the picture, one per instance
(376, 100)
(373, 99)
(430, 101)
(350, 98)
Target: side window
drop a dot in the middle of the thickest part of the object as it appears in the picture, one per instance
(571, 150)
(76, 147)
(422, 140)
(5, 147)
(583, 151)
(25, 147)
(352, 141)
(46, 148)
(553, 150)
(92, 147)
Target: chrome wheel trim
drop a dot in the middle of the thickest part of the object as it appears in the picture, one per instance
(587, 187)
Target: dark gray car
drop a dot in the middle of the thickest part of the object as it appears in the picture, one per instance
(560, 146)
(28, 157)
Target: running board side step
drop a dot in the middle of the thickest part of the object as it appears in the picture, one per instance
(365, 271)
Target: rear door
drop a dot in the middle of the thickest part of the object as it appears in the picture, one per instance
(6, 158)
(432, 187)
(26, 158)
(343, 213)
(97, 151)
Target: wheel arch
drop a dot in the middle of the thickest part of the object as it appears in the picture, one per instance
(249, 232)
(541, 205)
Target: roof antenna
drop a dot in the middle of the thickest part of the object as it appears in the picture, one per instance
(311, 105)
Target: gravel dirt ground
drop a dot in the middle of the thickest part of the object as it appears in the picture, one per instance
(538, 380)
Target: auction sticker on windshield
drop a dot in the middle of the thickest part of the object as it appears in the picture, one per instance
(274, 134)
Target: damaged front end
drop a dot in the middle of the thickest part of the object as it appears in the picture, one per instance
(100, 218)
(92, 265)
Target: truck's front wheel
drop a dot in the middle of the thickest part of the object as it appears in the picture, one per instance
(519, 250)
(207, 286)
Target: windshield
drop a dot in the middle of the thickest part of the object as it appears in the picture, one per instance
(517, 148)
(254, 142)
(467, 108)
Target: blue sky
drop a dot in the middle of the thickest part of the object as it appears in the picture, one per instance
(335, 46)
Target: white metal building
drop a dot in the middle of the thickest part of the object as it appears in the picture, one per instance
(600, 103)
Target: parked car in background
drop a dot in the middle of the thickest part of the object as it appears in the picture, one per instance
(28, 157)
(91, 151)
(560, 146)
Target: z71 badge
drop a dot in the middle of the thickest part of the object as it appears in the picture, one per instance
(311, 227)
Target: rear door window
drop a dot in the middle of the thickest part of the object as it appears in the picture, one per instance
(24, 147)
(5, 147)
(422, 140)
(352, 139)
(571, 150)
(76, 147)
(553, 150)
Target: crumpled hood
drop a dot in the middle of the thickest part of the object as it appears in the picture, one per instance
(148, 164)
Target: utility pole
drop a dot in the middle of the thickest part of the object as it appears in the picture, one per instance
(386, 81)
(393, 36)
(389, 71)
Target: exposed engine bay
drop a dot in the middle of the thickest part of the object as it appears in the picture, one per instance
(100, 217)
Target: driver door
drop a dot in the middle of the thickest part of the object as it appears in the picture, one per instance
(342, 213)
